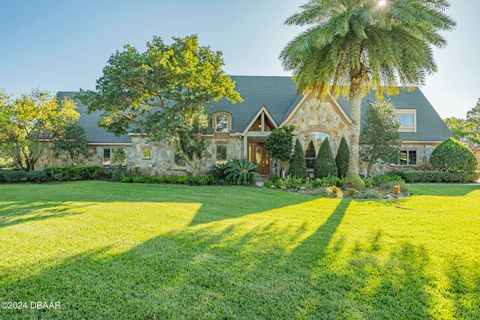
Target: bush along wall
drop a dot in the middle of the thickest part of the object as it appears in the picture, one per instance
(325, 165)
(452, 156)
(414, 176)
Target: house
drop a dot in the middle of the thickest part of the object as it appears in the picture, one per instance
(240, 130)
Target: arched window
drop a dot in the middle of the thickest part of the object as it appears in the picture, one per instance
(310, 156)
(222, 122)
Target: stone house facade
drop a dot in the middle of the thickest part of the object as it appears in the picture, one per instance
(240, 130)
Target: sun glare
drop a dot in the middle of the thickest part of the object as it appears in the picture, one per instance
(382, 3)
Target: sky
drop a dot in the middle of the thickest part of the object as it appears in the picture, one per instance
(63, 45)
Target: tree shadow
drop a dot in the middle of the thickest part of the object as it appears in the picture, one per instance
(233, 273)
(465, 290)
(13, 213)
(216, 203)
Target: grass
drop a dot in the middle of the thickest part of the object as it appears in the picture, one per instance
(127, 251)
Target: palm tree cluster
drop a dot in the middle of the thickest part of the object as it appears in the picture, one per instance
(352, 46)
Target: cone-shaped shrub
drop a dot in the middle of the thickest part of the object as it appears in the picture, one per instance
(343, 158)
(325, 165)
(298, 166)
(452, 156)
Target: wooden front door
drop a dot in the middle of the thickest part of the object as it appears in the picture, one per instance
(257, 153)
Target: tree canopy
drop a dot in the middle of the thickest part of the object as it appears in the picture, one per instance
(466, 130)
(72, 141)
(161, 92)
(351, 46)
(29, 121)
(165, 81)
(380, 135)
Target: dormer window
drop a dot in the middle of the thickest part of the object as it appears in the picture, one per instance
(407, 119)
(222, 122)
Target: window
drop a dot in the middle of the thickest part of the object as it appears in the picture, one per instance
(107, 156)
(407, 120)
(147, 153)
(408, 158)
(310, 156)
(221, 154)
(222, 123)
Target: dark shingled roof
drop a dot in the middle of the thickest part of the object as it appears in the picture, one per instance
(430, 127)
(89, 122)
(279, 96)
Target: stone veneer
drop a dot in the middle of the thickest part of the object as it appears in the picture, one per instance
(162, 161)
(316, 120)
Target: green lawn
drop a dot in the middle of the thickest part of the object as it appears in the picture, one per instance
(127, 251)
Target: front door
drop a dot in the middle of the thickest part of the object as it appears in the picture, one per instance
(257, 153)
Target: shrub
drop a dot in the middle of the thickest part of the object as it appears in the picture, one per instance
(10, 176)
(413, 176)
(343, 158)
(185, 180)
(218, 172)
(354, 182)
(74, 173)
(383, 178)
(283, 184)
(241, 171)
(37, 176)
(325, 165)
(453, 156)
(298, 166)
(326, 182)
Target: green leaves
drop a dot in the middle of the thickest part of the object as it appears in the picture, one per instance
(27, 120)
(392, 43)
(280, 143)
(380, 135)
(325, 165)
(175, 79)
(298, 165)
(452, 156)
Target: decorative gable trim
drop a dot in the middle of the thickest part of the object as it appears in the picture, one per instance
(269, 116)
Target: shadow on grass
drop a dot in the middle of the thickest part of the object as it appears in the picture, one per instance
(233, 272)
(14, 213)
(217, 203)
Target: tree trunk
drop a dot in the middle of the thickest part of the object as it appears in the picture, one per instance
(355, 114)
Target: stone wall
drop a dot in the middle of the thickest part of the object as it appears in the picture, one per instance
(316, 120)
(162, 161)
(49, 158)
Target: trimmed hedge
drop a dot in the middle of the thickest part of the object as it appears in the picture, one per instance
(343, 158)
(413, 176)
(11, 176)
(452, 156)
(75, 173)
(325, 165)
(186, 180)
(382, 179)
(298, 165)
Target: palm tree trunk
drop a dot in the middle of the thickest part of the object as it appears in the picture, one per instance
(355, 114)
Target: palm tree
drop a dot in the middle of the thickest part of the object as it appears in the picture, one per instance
(351, 46)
